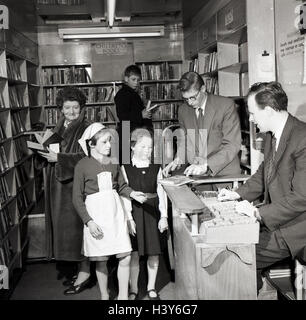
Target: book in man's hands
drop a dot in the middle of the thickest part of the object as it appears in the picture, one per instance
(49, 139)
(175, 181)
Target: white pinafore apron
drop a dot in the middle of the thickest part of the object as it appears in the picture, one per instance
(105, 208)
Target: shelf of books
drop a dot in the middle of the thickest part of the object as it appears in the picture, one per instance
(19, 94)
(100, 95)
(222, 61)
(160, 86)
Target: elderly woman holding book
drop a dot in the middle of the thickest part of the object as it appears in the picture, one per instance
(64, 228)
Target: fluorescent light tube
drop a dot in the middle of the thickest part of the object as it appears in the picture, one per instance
(111, 35)
(108, 33)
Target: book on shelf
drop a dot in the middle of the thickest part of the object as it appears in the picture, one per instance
(93, 94)
(65, 75)
(175, 181)
(13, 71)
(20, 147)
(5, 222)
(166, 111)
(3, 160)
(52, 115)
(160, 71)
(100, 114)
(160, 91)
(211, 85)
(49, 139)
(98, 94)
(4, 190)
(194, 65)
(2, 101)
(17, 125)
(21, 176)
(2, 132)
(15, 98)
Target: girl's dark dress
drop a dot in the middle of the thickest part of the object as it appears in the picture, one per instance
(146, 216)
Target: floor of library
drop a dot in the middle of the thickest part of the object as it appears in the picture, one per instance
(39, 282)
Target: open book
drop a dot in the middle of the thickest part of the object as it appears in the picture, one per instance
(151, 107)
(49, 139)
(175, 181)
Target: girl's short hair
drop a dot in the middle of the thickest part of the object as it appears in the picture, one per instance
(70, 94)
(138, 134)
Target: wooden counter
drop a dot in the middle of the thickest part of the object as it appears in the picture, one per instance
(208, 271)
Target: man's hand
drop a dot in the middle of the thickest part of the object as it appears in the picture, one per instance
(244, 207)
(228, 195)
(50, 156)
(174, 165)
(162, 224)
(146, 114)
(132, 227)
(95, 230)
(196, 170)
(138, 196)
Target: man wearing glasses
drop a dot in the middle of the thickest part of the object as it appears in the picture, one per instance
(213, 131)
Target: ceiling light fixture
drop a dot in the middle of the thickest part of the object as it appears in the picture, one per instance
(108, 33)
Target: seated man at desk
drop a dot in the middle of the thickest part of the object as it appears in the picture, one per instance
(213, 131)
(281, 178)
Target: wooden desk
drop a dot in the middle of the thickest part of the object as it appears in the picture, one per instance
(212, 272)
(208, 271)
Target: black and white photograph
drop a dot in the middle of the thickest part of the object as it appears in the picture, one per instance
(153, 150)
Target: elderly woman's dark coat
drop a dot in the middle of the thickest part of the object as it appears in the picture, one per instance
(64, 228)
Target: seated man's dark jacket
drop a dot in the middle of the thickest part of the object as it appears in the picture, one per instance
(285, 194)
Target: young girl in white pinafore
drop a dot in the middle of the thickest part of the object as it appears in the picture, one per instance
(97, 183)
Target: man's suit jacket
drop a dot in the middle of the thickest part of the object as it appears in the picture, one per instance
(223, 141)
(285, 194)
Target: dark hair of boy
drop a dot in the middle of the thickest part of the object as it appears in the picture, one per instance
(132, 70)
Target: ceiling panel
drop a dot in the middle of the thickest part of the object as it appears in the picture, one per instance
(190, 8)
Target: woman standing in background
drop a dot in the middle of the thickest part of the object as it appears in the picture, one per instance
(64, 228)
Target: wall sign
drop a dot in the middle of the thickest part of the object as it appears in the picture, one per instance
(111, 48)
(110, 58)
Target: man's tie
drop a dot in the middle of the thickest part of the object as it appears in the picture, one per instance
(200, 115)
(200, 118)
(270, 165)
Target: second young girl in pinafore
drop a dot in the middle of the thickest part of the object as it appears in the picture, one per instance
(148, 221)
(97, 186)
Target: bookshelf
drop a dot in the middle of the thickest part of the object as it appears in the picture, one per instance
(159, 84)
(19, 113)
(100, 95)
(222, 61)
